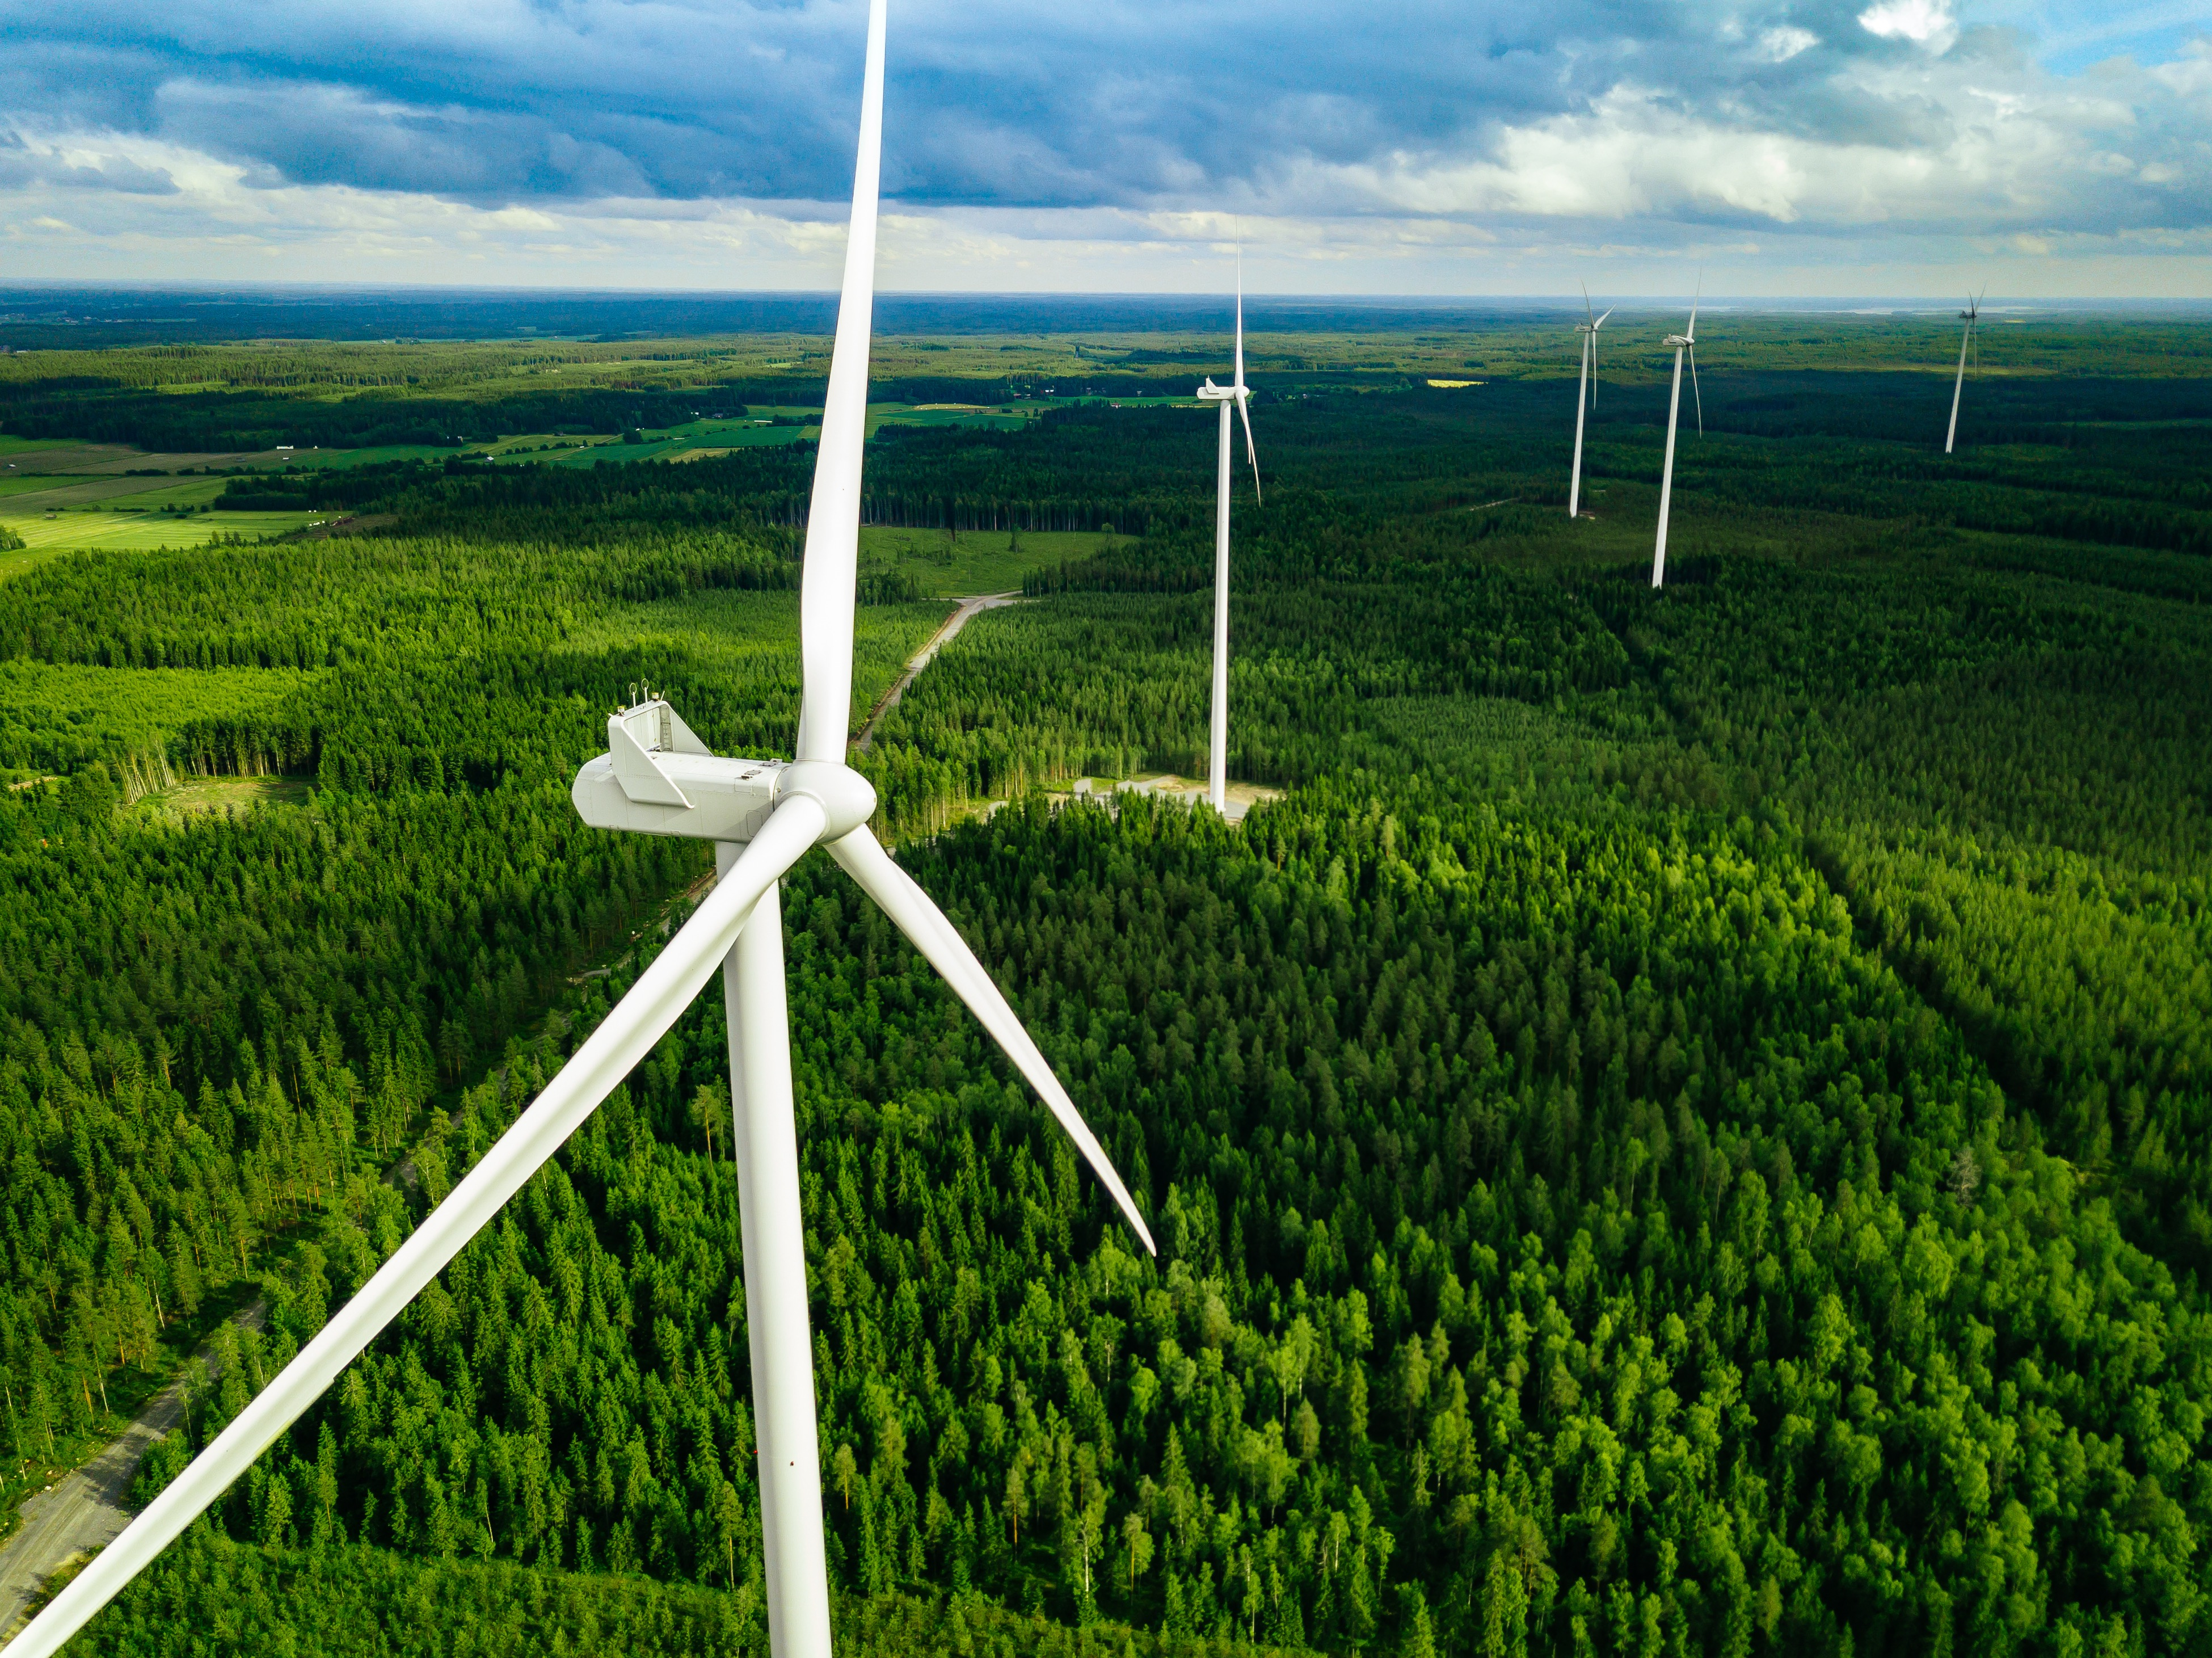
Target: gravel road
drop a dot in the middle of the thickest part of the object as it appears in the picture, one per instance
(968, 608)
(82, 1512)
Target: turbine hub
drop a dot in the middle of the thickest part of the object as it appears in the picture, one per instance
(847, 799)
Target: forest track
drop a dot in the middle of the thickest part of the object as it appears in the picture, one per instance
(970, 609)
(82, 1512)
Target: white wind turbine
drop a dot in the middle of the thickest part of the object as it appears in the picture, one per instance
(1970, 316)
(1217, 759)
(1684, 341)
(1585, 396)
(763, 815)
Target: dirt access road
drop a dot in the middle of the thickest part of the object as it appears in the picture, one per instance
(83, 1511)
(969, 608)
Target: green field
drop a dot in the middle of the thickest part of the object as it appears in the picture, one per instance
(189, 798)
(26, 483)
(975, 560)
(60, 492)
(144, 531)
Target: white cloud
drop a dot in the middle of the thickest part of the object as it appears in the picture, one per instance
(2004, 158)
(2189, 75)
(1924, 22)
(1780, 46)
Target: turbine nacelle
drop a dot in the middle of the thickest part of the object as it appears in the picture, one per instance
(658, 778)
(1677, 341)
(1210, 392)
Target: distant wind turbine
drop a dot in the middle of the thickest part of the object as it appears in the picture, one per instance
(1970, 316)
(763, 815)
(1217, 759)
(1585, 395)
(1684, 341)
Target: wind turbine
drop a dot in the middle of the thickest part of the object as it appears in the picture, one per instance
(1684, 341)
(1970, 316)
(763, 815)
(1585, 396)
(1216, 760)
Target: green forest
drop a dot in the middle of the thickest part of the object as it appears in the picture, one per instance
(1683, 1124)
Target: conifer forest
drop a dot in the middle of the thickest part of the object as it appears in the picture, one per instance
(1679, 1123)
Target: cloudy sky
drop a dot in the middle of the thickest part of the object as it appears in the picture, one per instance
(1782, 147)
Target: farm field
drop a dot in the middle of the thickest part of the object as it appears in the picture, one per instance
(1681, 1120)
(141, 531)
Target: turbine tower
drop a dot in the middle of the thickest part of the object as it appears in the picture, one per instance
(1970, 316)
(1238, 393)
(763, 815)
(1684, 341)
(1585, 396)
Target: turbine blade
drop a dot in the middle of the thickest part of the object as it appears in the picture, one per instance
(915, 914)
(1240, 316)
(623, 1039)
(1586, 307)
(1250, 453)
(833, 524)
(1694, 392)
(1600, 323)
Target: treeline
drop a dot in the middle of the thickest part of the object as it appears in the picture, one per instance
(1997, 407)
(347, 598)
(145, 728)
(917, 477)
(377, 1604)
(2015, 496)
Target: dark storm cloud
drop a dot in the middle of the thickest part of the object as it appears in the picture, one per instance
(995, 104)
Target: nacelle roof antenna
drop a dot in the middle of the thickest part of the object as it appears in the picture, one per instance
(763, 815)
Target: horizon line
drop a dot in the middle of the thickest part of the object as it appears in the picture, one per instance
(1872, 302)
